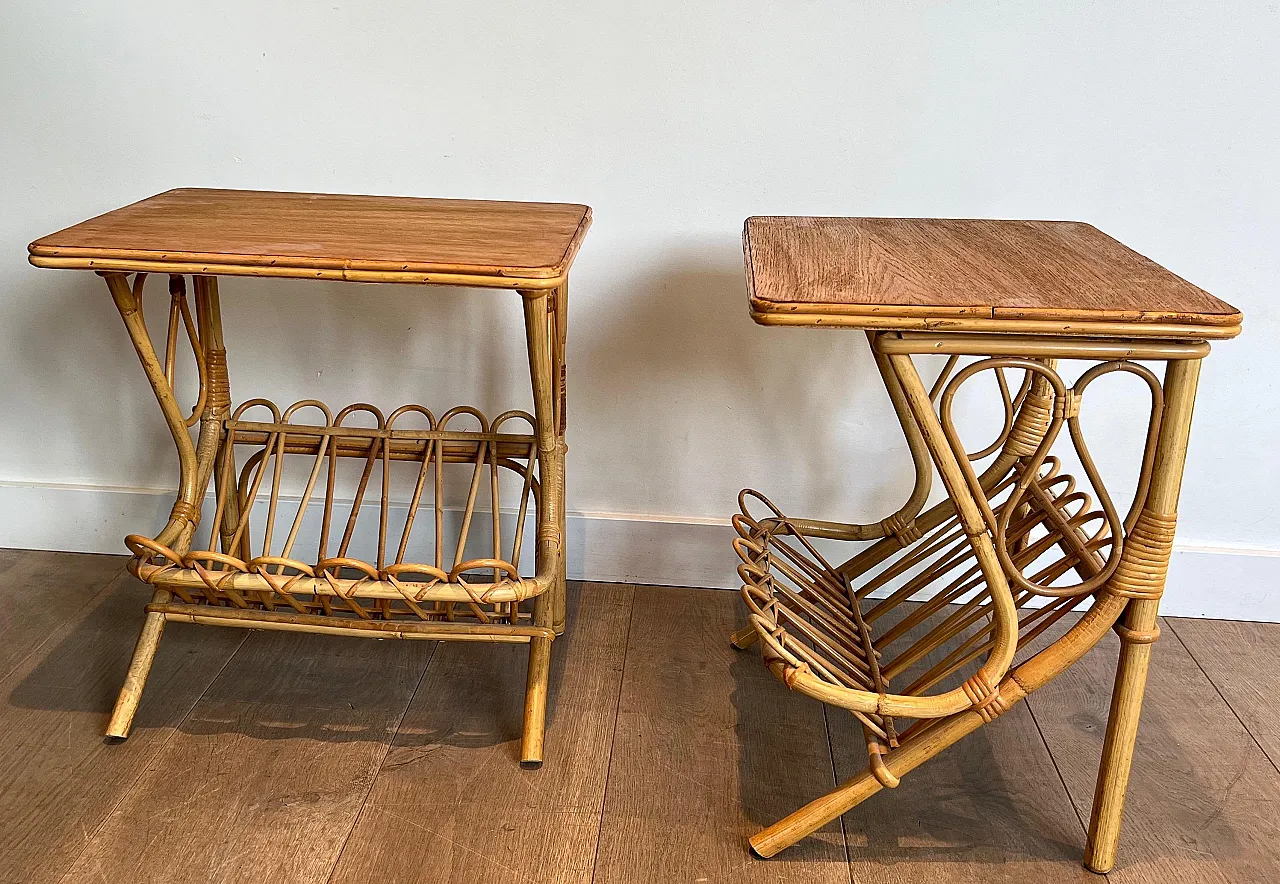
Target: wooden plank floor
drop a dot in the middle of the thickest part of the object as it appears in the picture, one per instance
(270, 757)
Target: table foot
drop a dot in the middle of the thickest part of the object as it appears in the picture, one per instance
(535, 703)
(144, 653)
(744, 637)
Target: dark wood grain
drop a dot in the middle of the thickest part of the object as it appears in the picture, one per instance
(59, 779)
(944, 268)
(41, 591)
(265, 777)
(1203, 803)
(1241, 659)
(709, 748)
(331, 231)
(451, 803)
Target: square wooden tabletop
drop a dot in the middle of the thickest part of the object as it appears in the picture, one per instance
(1047, 277)
(328, 236)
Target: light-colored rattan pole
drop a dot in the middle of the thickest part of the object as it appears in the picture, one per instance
(128, 304)
(178, 528)
(218, 405)
(560, 305)
(1002, 606)
(549, 542)
(1140, 628)
(144, 654)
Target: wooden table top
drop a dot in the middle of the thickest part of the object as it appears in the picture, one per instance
(1036, 277)
(327, 236)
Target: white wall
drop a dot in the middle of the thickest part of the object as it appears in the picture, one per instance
(1158, 122)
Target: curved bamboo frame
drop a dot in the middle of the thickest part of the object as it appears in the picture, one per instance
(243, 572)
(1009, 552)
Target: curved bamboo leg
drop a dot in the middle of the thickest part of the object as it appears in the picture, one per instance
(535, 694)
(1140, 628)
(559, 305)
(549, 555)
(196, 463)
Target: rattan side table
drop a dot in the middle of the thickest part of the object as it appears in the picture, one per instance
(927, 628)
(437, 566)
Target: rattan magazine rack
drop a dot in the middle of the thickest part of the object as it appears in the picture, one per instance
(937, 619)
(406, 524)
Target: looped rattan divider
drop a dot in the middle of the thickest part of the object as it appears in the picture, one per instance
(246, 564)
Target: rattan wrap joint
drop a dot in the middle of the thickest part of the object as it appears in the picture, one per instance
(987, 700)
(1144, 562)
(1032, 420)
(1136, 636)
(188, 512)
(219, 383)
(901, 529)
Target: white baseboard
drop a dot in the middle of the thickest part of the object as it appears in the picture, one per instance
(1219, 581)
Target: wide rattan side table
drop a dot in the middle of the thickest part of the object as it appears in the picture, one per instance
(408, 524)
(937, 619)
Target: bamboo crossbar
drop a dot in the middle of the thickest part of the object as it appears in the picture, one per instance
(356, 628)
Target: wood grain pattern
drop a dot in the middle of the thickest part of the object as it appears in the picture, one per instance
(451, 804)
(709, 747)
(265, 777)
(989, 809)
(58, 779)
(311, 235)
(1241, 660)
(913, 273)
(40, 591)
(1202, 796)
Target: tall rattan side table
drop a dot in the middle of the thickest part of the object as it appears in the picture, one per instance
(307, 532)
(934, 621)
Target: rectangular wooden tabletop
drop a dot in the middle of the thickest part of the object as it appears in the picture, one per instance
(327, 236)
(1048, 277)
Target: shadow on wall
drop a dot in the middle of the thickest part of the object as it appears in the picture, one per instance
(680, 400)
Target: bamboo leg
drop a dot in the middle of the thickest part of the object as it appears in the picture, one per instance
(549, 554)
(144, 653)
(1140, 627)
(196, 462)
(559, 304)
(535, 694)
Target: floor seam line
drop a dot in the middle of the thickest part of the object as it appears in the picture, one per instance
(613, 739)
(133, 784)
(373, 781)
(1196, 660)
(50, 636)
(835, 781)
(1084, 827)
